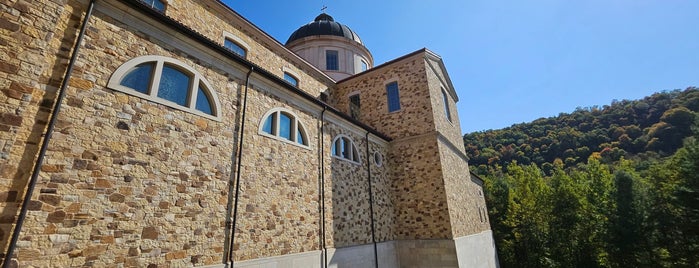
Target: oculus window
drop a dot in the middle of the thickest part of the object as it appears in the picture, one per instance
(235, 47)
(167, 81)
(155, 4)
(378, 159)
(445, 98)
(393, 97)
(344, 148)
(282, 124)
(291, 79)
(331, 60)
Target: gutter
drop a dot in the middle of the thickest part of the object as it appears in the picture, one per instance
(371, 204)
(230, 258)
(47, 137)
(322, 188)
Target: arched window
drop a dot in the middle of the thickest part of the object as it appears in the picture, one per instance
(283, 125)
(167, 81)
(291, 79)
(344, 148)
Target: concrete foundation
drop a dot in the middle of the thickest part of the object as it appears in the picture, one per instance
(473, 251)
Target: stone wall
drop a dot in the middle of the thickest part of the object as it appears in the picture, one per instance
(279, 198)
(268, 54)
(36, 38)
(415, 116)
(464, 197)
(127, 181)
(420, 201)
(450, 129)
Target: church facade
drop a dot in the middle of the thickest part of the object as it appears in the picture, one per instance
(149, 133)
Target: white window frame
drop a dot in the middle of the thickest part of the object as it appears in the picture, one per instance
(296, 124)
(160, 61)
(354, 151)
(290, 72)
(238, 41)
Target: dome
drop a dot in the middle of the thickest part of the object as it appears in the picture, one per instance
(324, 24)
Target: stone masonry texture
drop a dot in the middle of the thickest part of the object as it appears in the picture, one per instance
(129, 182)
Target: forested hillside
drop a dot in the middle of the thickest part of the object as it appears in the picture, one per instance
(652, 127)
(612, 186)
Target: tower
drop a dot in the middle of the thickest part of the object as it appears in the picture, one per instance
(440, 216)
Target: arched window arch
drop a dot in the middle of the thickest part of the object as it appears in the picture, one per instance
(284, 125)
(169, 82)
(344, 148)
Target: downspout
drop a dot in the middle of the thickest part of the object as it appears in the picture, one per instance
(322, 187)
(230, 258)
(47, 138)
(371, 203)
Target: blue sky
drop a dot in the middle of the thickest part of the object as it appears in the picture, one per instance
(516, 61)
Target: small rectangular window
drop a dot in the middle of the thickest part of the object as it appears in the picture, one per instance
(446, 105)
(354, 106)
(155, 4)
(233, 46)
(393, 97)
(365, 66)
(331, 62)
(291, 79)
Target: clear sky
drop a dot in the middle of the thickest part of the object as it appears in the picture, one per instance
(516, 61)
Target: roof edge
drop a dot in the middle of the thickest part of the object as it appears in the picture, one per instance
(190, 33)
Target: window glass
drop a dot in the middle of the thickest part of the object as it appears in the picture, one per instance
(343, 147)
(393, 97)
(354, 105)
(331, 62)
(203, 103)
(155, 4)
(299, 137)
(364, 66)
(285, 126)
(378, 159)
(446, 105)
(178, 85)
(345, 150)
(139, 78)
(269, 123)
(229, 44)
(291, 79)
(174, 85)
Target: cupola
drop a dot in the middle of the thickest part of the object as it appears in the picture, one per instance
(331, 46)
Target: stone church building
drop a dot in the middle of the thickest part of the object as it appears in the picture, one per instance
(176, 133)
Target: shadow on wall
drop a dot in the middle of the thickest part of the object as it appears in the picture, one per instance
(19, 181)
(350, 214)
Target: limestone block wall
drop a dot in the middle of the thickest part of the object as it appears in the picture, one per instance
(279, 195)
(420, 200)
(464, 197)
(415, 116)
(450, 129)
(348, 212)
(35, 41)
(127, 181)
(350, 224)
(383, 194)
(211, 19)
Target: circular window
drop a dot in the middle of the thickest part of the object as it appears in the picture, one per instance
(378, 159)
